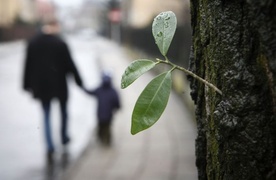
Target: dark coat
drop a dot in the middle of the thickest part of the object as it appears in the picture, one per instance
(108, 101)
(48, 62)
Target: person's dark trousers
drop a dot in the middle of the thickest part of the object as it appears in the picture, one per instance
(64, 123)
(46, 105)
(104, 133)
(47, 126)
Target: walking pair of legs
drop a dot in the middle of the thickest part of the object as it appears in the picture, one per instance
(104, 134)
(46, 105)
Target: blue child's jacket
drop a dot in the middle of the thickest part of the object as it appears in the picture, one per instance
(108, 100)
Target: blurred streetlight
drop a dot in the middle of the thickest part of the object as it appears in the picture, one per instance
(115, 17)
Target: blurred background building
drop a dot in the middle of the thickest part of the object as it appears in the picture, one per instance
(126, 21)
(16, 19)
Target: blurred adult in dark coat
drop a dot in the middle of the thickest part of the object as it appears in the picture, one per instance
(47, 64)
(108, 102)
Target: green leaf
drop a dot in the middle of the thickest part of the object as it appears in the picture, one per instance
(151, 103)
(163, 29)
(135, 70)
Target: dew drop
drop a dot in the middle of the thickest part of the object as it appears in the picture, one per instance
(166, 24)
(159, 34)
(126, 73)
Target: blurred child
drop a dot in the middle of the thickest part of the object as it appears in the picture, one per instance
(108, 102)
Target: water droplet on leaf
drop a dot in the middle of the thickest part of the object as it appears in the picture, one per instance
(159, 34)
(126, 73)
(166, 24)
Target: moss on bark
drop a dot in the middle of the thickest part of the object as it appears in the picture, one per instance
(234, 46)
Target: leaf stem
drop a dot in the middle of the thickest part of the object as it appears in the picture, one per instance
(190, 73)
(166, 59)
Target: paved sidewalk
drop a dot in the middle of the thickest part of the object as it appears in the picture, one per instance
(22, 146)
(164, 152)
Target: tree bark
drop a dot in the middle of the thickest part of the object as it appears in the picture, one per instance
(234, 47)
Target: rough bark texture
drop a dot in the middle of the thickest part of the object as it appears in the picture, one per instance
(234, 47)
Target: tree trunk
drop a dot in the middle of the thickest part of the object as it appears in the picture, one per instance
(234, 47)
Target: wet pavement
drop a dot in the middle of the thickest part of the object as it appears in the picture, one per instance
(165, 151)
(22, 153)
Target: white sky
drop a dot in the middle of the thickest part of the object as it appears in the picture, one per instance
(68, 2)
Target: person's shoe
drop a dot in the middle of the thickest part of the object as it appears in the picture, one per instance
(50, 156)
(65, 141)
